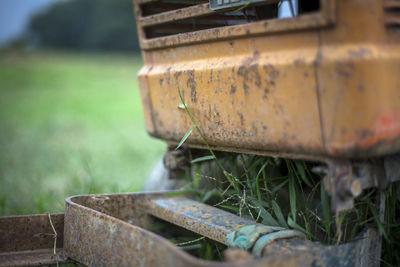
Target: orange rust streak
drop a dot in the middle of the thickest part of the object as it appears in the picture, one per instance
(386, 126)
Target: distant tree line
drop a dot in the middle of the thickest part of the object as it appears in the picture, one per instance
(87, 25)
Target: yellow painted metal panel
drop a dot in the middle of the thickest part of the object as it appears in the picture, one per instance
(331, 90)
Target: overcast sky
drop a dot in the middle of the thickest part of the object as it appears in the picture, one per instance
(15, 15)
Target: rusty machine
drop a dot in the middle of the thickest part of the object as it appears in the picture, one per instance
(317, 80)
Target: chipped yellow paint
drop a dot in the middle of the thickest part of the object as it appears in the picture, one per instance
(331, 90)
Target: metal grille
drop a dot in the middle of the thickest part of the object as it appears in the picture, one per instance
(392, 14)
(168, 23)
(171, 17)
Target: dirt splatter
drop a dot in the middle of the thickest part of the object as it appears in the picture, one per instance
(191, 83)
(233, 89)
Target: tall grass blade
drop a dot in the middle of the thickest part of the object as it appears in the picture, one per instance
(258, 182)
(278, 213)
(292, 197)
(294, 225)
(265, 215)
(300, 166)
(185, 137)
(201, 159)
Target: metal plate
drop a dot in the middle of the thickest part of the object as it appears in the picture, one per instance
(28, 240)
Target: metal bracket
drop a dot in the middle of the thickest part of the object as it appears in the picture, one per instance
(345, 180)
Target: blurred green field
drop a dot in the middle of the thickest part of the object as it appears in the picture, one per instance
(70, 124)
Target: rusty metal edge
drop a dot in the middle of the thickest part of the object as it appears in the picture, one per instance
(78, 227)
(129, 245)
(74, 246)
(28, 240)
(38, 257)
(274, 154)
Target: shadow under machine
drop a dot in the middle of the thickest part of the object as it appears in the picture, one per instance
(316, 80)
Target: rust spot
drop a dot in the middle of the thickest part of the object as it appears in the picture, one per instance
(345, 69)
(249, 60)
(386, 126)
(241, 118)
(255, 129)
(191, 83)
(177, 74)
(272, 74)
(266, 92)
(264, 127)
(278, 108)
(233, 89)
(246, 88)
(360, 53)
(216, 112)
(298, 62)
(364, 133)
(250, 74)
(167, 75)
(209, 111)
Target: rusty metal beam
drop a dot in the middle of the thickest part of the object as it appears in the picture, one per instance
(194, 11)
(391, 4)
(141, 2)
(309, 21)
(37, 257)
(392, 19)
(97, 239)
(29, 240)
(174, 15)
(110, 230)
(197, 217)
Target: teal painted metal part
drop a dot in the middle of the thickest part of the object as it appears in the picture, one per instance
(256, 237)
(264, 240)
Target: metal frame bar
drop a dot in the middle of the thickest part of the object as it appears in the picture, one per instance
(28, 240)
(324, 17)
(121, 219)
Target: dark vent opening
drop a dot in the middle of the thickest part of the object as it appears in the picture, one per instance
(259, 12)
(161, 6)
(392, 14)
(392, 18)
(307, 6)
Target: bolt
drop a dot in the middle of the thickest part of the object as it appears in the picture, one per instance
(356, 187)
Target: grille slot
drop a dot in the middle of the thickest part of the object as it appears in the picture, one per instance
(153, 7)
(172, 17)
(392, 14)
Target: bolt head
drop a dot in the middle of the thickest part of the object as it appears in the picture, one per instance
(356, 188)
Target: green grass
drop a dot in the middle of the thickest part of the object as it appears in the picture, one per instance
(70, 124)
